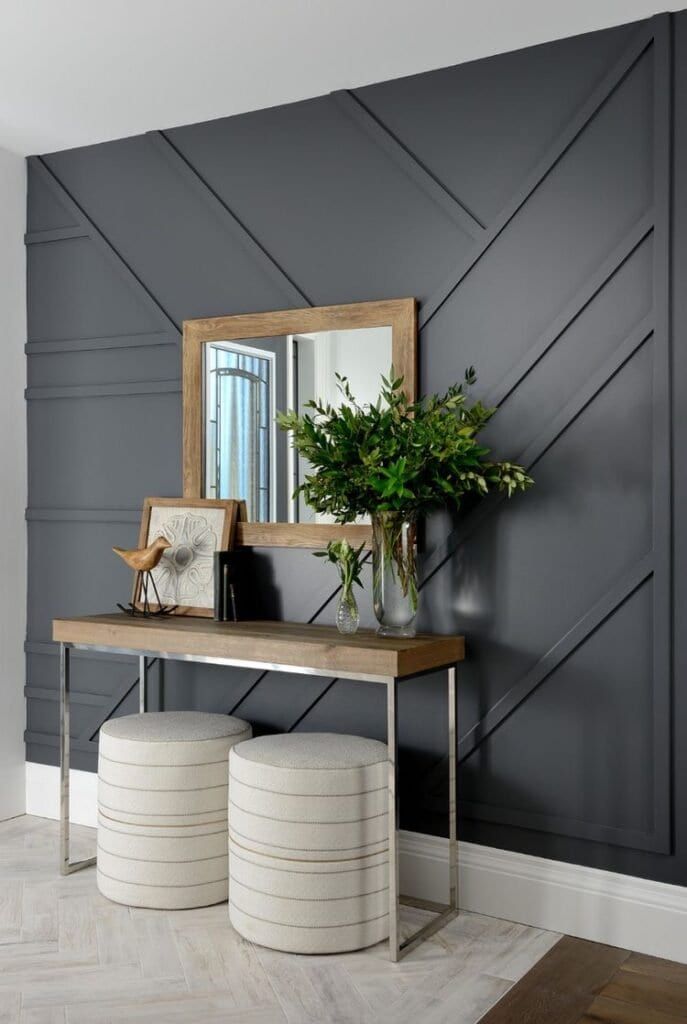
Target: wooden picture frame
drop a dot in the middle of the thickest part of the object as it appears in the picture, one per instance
(399, 314)
(232, 510)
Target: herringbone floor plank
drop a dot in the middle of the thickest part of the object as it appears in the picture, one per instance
(69, 956)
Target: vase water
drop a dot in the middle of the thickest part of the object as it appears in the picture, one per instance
(394, 573)
(347, 614)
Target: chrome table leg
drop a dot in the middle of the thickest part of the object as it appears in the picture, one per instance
(142, 683)
(452, 794)
(394, 881)
(66, 866)
(398, 948)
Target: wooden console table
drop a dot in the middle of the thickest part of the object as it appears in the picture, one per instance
(277, 646)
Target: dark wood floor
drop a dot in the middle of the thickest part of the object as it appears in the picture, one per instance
(580, 982)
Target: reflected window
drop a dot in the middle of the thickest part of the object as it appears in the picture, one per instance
(239, 427)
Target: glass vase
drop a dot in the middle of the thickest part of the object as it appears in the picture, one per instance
(394, 573)
(347, 614)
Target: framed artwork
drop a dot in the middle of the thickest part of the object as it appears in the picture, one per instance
(195, 528)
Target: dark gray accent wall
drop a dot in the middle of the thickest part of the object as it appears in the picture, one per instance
(535, 204)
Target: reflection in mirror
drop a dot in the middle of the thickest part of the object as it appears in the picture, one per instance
(246, 382)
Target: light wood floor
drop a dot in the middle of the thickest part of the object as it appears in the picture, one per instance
(68, 956)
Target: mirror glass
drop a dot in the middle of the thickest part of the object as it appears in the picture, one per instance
(246, 382)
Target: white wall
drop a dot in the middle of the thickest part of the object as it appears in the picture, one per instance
(12, 482)
(61, 72)
(363, 354)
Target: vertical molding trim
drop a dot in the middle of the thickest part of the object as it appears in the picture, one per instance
(662, 433)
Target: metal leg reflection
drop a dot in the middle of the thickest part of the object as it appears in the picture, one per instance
(394, 880)
(142, 683)
(397, 948)
(66, 866)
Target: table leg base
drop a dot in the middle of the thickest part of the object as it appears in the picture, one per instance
(427, 930)
(78, 865)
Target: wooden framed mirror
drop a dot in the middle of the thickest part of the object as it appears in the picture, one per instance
(238, 371)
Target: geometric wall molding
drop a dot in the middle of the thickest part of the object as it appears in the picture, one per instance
(554, 282)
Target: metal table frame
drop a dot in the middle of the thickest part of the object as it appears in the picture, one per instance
(397, 947)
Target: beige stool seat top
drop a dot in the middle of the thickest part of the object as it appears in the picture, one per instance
(173, 727)
(320, 751)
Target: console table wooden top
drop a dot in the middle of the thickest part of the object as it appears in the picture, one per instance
(283, 643)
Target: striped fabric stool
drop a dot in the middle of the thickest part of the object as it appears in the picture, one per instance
(162, 808)
(308, 842)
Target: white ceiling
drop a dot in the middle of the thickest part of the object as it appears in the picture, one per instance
(74, 72)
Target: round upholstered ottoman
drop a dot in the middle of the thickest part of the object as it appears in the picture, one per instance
(162, 808)
(308, 842)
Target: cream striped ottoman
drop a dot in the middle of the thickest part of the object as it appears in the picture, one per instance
(162, 808)
(308, 842)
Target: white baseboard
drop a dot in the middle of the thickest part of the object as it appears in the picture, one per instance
(620, 910)
(43, 794)
(634, 913)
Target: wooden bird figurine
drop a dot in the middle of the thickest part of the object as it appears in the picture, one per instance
(143, 561)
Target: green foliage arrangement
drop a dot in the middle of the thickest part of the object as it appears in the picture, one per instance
(397, 456)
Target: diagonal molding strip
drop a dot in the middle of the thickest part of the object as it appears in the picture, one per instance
(198, 185)
(90, 730)
(554, 657)
(310, 706)
(601, 94)
(49, 178)
(589, 290)
(537, 448)
(409, 163)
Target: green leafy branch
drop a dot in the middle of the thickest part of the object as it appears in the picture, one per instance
(396, 455)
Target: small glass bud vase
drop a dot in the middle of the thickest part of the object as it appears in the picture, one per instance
(347, 614)
(394, 573)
